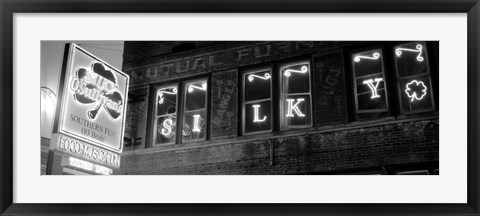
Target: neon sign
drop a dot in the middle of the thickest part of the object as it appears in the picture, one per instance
(294, 107)
(89, 152)
(375, 56)
(192, 87)
(412, 94)
(288, 72)
(196, 128)
(102, 170)
(373, 87)
(80, 163)
(418, 49)
(167, 127)
(255, 114)
(162, 91)
(97, 86)
(85, 165)
(92, 100)
(252, 76)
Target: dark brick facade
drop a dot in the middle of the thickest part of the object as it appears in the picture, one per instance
(335, 144)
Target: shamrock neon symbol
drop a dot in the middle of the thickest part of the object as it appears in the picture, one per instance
(416, 90)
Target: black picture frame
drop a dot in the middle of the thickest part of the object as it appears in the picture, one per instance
(9, 7)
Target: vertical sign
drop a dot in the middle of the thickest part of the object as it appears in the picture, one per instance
(92, 101)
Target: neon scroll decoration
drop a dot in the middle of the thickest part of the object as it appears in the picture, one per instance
(162, 91)
(375, 56)
(418, 49)
(252, 76)
(191, 88)
(288, 72)
(412, 94)
(373, 87)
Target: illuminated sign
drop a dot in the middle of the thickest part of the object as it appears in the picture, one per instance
(167, 127)
(80, 163)
(252, 76)
(375, 56)
(162, 91)
(373, 87)
(195, 123)
(288, 72)
(418, 49)
(97, 86)
(294, 107)
(86, 151)
(102, 170)
(85, 165)
(255, 114)
(92, 100)
(192, 87)
(412, 93)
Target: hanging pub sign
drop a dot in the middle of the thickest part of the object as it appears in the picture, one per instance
(92, 102)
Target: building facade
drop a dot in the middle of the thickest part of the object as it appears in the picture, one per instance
(281, 107)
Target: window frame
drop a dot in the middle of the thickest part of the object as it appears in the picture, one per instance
(150, 135)
(155, 116)
(183, 108)
(244, 103)
(282, 95)
(393, 92)
(427, 74)
(385, 81)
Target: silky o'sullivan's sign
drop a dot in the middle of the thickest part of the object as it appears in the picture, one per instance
(92, 100)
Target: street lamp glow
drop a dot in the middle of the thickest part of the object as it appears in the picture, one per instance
(47, 111)
(48, 101)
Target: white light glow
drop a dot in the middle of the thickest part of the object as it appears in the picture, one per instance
(419, 49)
(252, 76)
(48, 101)
(102, 170)
(294, 107)
(196, 128)
(192, 87)
(80, 164)
(255, 114)
(289, 72)
(162, 91)
(373, 87)
(88, 166)
(375, 56)
(414, 95)
(167, 127)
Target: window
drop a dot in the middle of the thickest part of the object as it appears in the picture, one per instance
(296, 110)
(369, 84)
(166, 115)
(257, 101)
(408, 68)
(414, 81)
(195, 111)
(293, 101)
(193, 116)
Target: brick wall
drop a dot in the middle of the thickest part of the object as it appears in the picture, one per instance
(329, 89)
(224, 104)
(334, 144)
(385, 144)
(136, 119)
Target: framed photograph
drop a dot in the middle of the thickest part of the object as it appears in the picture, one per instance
(240, 108)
